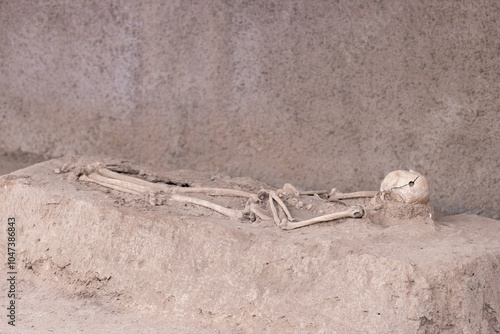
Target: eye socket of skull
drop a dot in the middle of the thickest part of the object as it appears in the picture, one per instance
(408, 186)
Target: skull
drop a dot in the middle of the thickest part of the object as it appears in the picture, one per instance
(403, 198)
(406, 186)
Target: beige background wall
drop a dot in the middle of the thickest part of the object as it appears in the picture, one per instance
(312, 92)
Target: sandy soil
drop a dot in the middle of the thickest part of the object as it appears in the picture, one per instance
(44, 308)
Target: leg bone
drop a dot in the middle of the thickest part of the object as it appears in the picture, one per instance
(215, 192)
(352, 212)
(108, 178)
(231, 213)
(132, 180)
(120, 186)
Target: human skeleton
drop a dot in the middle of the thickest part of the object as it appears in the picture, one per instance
(407, 187)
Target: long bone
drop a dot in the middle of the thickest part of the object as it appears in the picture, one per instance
(250, 208)
(127, 180)
(125, 183)
(231, 213)
(274, 197)
(337, 195)
(96, 178)
(352, 212)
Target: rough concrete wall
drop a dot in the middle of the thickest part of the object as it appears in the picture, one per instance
(317, 93)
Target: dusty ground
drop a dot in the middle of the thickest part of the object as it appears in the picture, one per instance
(213, 275)
(44, 308)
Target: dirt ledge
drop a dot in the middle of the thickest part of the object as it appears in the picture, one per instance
(183, 263)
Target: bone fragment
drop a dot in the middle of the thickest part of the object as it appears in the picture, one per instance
(352, 212)
(289, 190)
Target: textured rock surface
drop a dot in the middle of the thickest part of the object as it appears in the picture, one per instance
(317, 93)
(190, 264)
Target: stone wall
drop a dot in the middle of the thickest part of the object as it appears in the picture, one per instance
(317, 93)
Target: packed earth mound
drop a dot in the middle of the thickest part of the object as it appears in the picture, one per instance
(179, 267)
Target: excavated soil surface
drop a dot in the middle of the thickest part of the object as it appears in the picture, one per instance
(94, 260)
